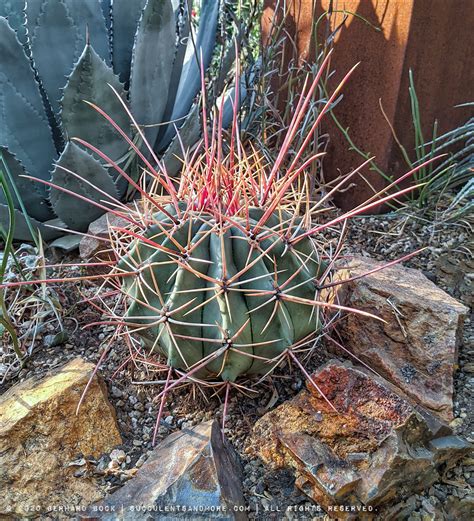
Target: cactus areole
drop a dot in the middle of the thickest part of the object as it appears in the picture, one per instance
(229, 291)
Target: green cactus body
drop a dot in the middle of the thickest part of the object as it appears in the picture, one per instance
(207, 288)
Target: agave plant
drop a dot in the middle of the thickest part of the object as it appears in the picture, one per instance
(56, 54)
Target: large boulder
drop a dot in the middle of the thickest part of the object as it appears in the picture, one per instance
(416, 346)
(41, 434)
(377, 448)
(192, 474)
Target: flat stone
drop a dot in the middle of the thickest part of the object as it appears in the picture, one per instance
(396, 450)
(193, 474)
(40, 435)
(416, 346)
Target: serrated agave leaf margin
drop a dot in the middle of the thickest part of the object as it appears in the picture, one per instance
(14, 12)
(90, 81)
(57, 32)
(24, 127)
(76, 213)
(152, 64)
(126, 15)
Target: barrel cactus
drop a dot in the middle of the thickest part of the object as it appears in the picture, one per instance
(225, 273)
(233, 292)
(222, 274)
(56, 54)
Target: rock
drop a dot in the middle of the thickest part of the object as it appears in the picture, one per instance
(416, 347)
(460, 508)
(95, 246)
(469, 368)
(428, 507)
(141, 460)
(116, 392)
(190, 469)
(376, 449)
(456, 423)
(41, 437)
(118, 455)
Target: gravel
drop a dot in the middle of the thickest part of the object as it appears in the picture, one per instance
(272, 495)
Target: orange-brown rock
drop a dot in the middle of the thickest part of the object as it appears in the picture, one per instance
(416, 346)
(374, 448)
(40, 434)
(96, 246)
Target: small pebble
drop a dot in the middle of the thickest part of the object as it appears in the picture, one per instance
(113, 465)
(118, 455)
(115, 392)
(457, 422)
(141, 460)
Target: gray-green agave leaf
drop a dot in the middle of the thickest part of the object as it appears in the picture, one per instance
(153, 58)
(126, 15)
(57, 54)
(94, 185)
(90, 81)
(22, 231)
(190, 80)
(31, 192)
(24, 127)
(14, 12)
(188, 135)
(107, 12)
(57, 32)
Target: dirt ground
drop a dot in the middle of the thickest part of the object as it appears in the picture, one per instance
(447, 261)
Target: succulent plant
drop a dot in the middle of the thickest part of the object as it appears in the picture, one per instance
(234, 292)
(223, 274)
(56, 54)
(226, 276)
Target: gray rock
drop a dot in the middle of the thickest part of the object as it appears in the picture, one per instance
(141, 460)
(118, 455)
(115, 392)
(428, 507)
(192, 474)
(460, 508)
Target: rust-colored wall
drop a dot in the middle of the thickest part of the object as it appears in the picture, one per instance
(433, 37)
(297, 47)
(440, 51)
(381, 57)
(298, 24)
